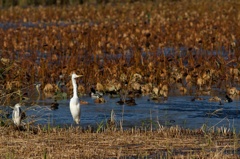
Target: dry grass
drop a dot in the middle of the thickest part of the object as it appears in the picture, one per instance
(74, 143)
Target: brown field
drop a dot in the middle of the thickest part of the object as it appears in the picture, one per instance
(40, 44)
(74, 143)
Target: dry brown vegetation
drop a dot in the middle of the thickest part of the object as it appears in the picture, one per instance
(73, 143)
(186, 45)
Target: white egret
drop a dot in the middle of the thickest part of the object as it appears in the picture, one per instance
(17, 115)
(74, 101)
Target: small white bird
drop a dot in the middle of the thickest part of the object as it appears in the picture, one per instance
(74, 101)
(17, 115)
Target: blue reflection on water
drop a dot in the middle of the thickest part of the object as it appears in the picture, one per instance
(177, 110)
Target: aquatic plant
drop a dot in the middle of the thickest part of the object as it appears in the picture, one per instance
(152, 47)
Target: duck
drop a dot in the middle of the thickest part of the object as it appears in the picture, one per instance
(228, 99)
(100, 100)
(128, 102)
(120, 102)
(196, 98)
(82, 102)
(135, 93)
(54, 105)
(95, 94)
(113, 94)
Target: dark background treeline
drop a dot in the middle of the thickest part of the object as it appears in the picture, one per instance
(24, 3)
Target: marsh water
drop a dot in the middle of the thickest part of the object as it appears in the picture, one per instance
(176, 110)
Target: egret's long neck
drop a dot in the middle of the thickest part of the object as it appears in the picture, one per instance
(74, 87)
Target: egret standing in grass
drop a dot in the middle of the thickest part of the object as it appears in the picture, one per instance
(17, 115)
(74, 101)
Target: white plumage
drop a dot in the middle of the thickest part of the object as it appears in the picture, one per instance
(74, 101)
(17, 114)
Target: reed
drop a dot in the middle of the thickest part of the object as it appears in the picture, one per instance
(56, 46)
(168, 142)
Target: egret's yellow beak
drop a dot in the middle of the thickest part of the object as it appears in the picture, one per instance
(79, 76)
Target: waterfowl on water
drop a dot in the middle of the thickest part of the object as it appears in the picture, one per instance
(120, 102)
(17, 115)
(113, 94)
(196, 98)
(128, 102)
(134, 93)
(228, 99)
(95, 94)
(100, 100)
(157, 99)
(54, 105)
(74, 101)
(83, 102)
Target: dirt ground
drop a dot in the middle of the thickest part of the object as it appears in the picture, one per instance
(74, 143)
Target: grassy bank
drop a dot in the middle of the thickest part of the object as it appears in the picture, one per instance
(74, 143)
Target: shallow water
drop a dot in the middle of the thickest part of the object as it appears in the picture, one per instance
(177, 110)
